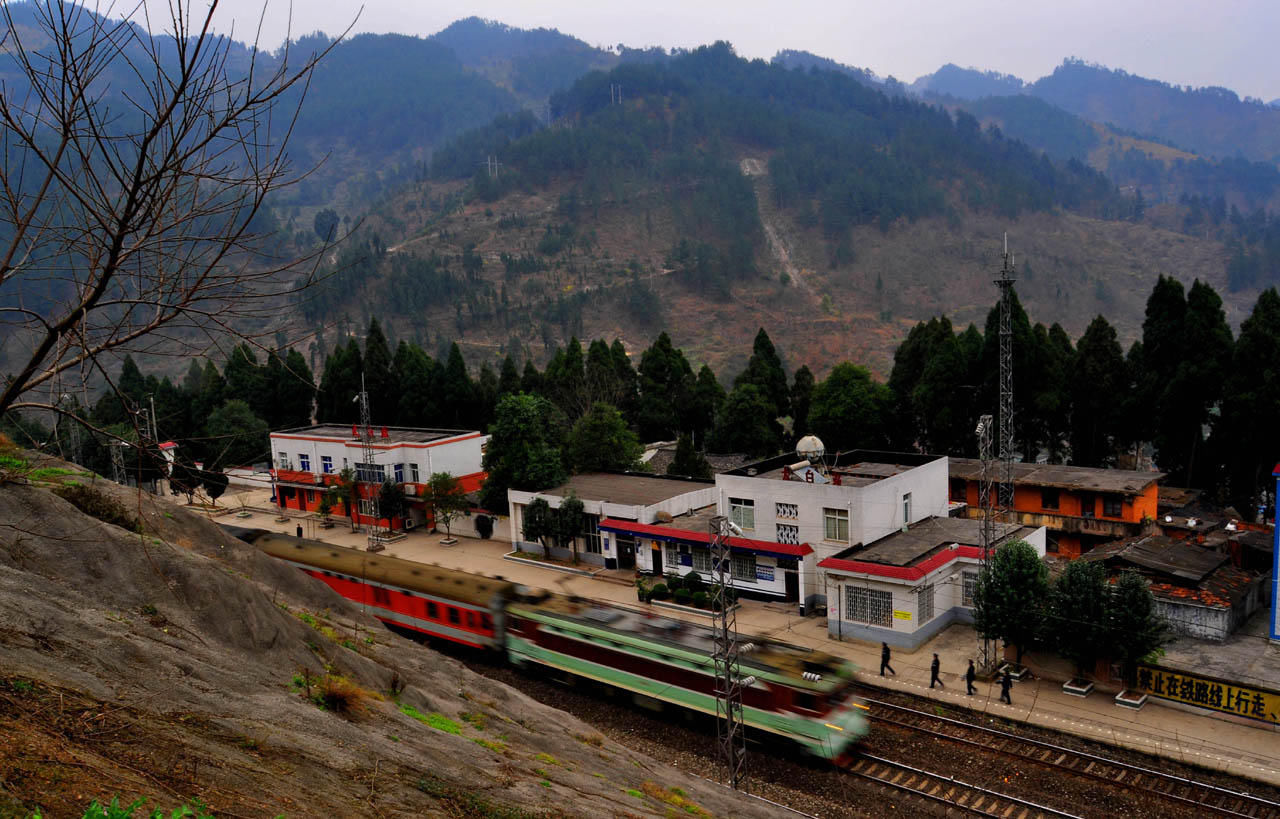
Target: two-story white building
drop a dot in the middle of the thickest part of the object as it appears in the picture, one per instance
(831, 504)
(308, 459)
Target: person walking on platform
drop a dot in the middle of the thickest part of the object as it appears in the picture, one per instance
(1006, 683)
(884, 660)
(299, 530)
(933, 673)
(969, 677)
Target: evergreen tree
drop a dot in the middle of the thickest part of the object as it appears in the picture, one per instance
(524, 452)
(566, 381)
(1163, 348)
(530, 379)
(245, 380)
(378, 378)
(1054, 406)
(486, 396)
(538, 525)
(688, 461)
(458, 405)
(1097, 381)
(508, 378)
(191, 381)
(665, 380)
(1078, 614)
(746, 423)
(628, 381)
(1197, 390)
(802, 387)
(173, 412)
(1135, 629)
(1247, 427)
(850, 410)
(418, 380)
(703, 403)
(296, 392)
(941, 423)
(1008, 603)
(765, 371)
(339, 384)
(208, 396)
(601, 440)
(236, 437)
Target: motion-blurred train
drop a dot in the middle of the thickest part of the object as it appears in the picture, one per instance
(802, 695)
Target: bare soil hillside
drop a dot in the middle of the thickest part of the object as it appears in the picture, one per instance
(157, 657)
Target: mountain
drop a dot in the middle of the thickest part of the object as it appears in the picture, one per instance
(967, 83)
(724, 194)
(806, 61)
(1210, 121)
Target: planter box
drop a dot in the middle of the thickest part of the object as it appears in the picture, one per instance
(1015, 671)
(1077, 687)
(448, 541)
(1132, 700)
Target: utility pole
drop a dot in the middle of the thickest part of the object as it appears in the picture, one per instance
(1005, 283)
(370, 457)
(732, 741)
(615, 93)
(988, 524)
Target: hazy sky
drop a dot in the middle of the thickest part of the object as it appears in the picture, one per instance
(1230, 43)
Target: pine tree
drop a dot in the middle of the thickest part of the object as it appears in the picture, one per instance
(378, 378)
(508, 378)
(665, 380)
(339, 385)
(850, 410)
(765, 371)
(688, 461)
(1247, 428)
(601, 440)
(417, 375)
(802, 387)
(1097, 380)
(458, 392)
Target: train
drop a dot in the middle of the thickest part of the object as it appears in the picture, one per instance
(801, 695)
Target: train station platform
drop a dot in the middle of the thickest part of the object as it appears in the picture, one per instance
(1247, 750)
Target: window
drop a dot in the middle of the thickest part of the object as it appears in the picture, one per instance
(311, 496)
(371, 473)
(453, 616)
(433, 611)
(906, 509)
(788, 533)
(381, 597)
(702, 561)
(413, 473)
(282, 462)
(959, 490)
(1088, 504)
(591, 534)
(835, 525)
(304, 462)
(326, 464)
(924, 600)
(805, 700)
(742, 511)
(398, 472)
(872, 606)
(471, 619)
(1049, 498)
(1112, 506)
(743, 567)
(786, 511)
(366, 507)
(671, 557)
(970, 581)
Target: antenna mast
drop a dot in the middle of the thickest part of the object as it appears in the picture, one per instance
(732, 746)
(1005, 283)
(371, 472)
(988, 523)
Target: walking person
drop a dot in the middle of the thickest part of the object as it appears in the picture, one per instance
(969, 677)
(884, 660)
(299, 530)
(1006, 683)
(933, 673)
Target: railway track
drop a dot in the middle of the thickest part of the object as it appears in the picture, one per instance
(1202, 797)
(949, 791)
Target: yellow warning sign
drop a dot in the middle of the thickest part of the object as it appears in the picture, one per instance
(1206, 692)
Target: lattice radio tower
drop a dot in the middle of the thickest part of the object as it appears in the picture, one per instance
(732, 745)
(370, 454)
(1005, 283)
(985, 501)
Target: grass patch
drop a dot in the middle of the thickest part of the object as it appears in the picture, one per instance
(549, 759)
(544, 783)
(463, 803)
(99, 505)
(332, 692)
(475, 719)
(49, 473)
(497, 746)
(595, 740)
(114, 810)
(674, 797)
(436, 720)
(633, 792)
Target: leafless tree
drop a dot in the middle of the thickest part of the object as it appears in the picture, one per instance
(137, 161)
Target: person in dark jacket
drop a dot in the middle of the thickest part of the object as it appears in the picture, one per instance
(299, 530)
(933, 673)
(1006, 683)
(884, 660)
(969, 677)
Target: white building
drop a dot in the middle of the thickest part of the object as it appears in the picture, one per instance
(853, 498)
(308, 459)
(907, 586)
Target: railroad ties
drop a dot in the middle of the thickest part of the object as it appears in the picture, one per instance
(946, 790)
(1200, 795)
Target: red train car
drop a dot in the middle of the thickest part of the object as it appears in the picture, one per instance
(452, 605)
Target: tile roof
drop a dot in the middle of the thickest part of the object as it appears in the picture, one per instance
(1080, 478)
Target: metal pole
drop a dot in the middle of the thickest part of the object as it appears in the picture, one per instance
(731, 748)
(370, 456)
(1005, 283)
(988, 523)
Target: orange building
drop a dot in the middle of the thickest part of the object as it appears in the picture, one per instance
(1080, 506)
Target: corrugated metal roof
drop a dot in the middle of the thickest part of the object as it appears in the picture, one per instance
(1079, 478)
(1161, 554)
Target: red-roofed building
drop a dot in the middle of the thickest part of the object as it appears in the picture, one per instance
(904, 588)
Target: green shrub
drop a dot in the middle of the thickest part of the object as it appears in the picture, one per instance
(99, 505)
(693, 582)
(683, 596)
(674, 582)
(659, 592)
(701, 600)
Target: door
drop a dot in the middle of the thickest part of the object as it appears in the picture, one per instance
(657, 559)
(626, 552)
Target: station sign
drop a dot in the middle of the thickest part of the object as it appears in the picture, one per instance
(1206, 692)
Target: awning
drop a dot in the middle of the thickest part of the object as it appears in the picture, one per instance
(670, 534)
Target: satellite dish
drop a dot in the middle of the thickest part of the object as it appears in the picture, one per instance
(811, 448)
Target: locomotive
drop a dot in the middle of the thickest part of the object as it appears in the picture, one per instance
(801, 695)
